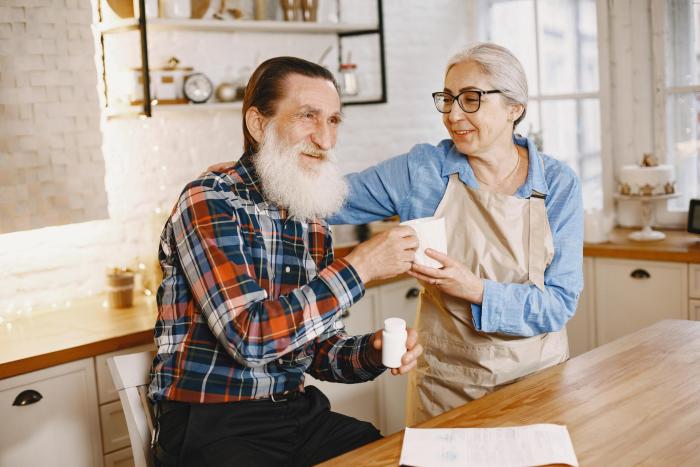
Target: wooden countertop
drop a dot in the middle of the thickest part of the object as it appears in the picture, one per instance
(48, 338)
(678, 246)
(632, 401)
(85, 329)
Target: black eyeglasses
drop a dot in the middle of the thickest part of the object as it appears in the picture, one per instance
(469, 100)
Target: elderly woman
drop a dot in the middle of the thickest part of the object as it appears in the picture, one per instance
(496, 311)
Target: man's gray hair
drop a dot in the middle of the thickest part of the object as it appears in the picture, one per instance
(504, 69)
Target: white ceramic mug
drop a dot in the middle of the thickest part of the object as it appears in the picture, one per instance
(431, 233)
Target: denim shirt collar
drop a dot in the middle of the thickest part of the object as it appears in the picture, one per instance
(535, 181)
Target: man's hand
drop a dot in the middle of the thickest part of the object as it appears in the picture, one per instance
(408, 360)
(385, 255)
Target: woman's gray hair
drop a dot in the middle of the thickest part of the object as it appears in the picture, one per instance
(504, 69)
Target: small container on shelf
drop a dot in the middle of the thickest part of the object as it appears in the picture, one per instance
(349, 85)
(120, 288)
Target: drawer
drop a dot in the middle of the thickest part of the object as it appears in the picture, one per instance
(630, 295)
(694, 280)
(121, 458)
(105, 387)
(694, 309)
(115, 434)
(61, 427)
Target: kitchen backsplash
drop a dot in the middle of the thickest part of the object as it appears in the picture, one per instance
(147, 162)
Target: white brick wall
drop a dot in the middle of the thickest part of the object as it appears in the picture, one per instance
(148, 162)
(48, 94)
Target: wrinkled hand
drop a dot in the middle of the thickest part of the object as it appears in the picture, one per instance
(385, 255)
(408, 360)
(453, 279)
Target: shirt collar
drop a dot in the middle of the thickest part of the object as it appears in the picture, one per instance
(535, 181)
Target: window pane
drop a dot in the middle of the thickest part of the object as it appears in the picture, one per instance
(512, 25)
(683, 117)
(683, 46)
(568, 46)
(530, 126)
(572, 134)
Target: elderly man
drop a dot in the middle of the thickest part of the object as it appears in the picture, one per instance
(251, 296)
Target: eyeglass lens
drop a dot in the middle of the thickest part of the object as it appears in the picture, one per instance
(468, 100)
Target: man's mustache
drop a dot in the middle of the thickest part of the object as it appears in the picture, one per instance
(313, 150)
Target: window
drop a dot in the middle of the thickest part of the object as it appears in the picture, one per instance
(557, 43)
(676, 26)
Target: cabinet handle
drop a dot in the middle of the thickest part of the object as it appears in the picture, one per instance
(640, 274)
(27, 397)
(413, 292)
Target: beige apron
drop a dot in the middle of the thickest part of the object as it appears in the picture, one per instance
(502, 238)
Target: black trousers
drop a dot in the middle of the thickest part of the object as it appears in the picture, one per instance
(299, 432)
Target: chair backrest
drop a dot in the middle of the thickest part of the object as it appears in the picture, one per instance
(130, 374)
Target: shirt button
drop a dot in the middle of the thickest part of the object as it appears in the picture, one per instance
(279, 360)
(287, 269)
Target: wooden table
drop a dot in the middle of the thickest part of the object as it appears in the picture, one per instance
(633, 401)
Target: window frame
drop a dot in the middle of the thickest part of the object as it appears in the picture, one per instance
(661, 94)
(537, 97)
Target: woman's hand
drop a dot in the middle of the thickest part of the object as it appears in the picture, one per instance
(454, 278)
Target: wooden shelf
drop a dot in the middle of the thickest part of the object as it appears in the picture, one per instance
(131, 24)
(136, 110)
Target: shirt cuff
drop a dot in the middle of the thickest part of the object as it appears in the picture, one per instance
(364, 360)
(344, 283)
(487, 316)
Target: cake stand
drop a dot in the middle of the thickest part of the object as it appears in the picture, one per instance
(647, 234)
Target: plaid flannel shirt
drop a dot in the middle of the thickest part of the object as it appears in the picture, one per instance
(251, 299)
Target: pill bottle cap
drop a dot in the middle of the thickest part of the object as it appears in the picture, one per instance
(394, 325)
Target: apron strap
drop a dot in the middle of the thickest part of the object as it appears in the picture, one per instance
(536, 259)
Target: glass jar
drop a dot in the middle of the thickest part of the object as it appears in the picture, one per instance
(349, 85)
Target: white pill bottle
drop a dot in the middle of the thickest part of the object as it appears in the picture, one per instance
(394, 338)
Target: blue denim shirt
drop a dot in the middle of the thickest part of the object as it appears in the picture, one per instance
(411, 186)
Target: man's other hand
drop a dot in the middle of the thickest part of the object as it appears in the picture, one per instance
(408, 360)
(385, 255)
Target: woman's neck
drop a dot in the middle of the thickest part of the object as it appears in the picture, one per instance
(495, 164)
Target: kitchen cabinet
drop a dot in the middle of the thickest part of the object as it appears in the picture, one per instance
(60, 429)
(355, 400)
(381, 401)
(632, 294)
(396, 300)
(694, 310)
(581, 328)
(116, 447)
(145, 43)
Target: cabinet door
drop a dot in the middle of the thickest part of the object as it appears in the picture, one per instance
(115, 434)
(694, 310)
(396, 300)
(694, 278)
(581, 328)
(630, 295)
(122, 458)
(61, 429)
(355, 400)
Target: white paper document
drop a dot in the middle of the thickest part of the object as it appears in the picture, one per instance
(515, 446)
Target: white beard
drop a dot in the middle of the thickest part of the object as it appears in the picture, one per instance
(307, 192)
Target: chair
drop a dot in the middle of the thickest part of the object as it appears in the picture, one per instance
(130, 374)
